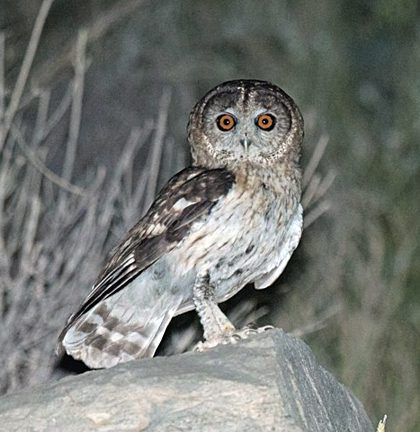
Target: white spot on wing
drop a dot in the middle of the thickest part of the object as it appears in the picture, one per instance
(156, 229)
(181, 204)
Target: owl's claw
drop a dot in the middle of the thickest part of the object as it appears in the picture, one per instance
(231, 338)
(250, 330)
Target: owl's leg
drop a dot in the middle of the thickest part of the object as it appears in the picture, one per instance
(217, 327)
(215, 323)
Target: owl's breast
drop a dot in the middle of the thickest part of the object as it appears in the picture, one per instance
(240, 240)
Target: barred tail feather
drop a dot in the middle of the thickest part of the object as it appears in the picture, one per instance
(113, 332)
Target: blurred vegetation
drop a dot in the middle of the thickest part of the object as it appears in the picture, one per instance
(351, 289)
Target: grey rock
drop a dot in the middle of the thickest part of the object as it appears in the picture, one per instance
(271, 382)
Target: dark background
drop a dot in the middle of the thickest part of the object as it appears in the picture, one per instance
(351, 289)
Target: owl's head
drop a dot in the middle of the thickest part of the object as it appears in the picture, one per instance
(245, 121)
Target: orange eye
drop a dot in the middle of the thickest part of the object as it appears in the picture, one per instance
(225, 122)
(265, 121)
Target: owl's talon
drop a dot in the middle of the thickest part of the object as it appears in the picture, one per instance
(262, 329)
(199, 347)
(232, 338)
(248, 331)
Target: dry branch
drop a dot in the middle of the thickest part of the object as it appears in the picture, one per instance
(24, 70)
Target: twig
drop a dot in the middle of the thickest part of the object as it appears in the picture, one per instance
(41, 117)
(315, 213)
(39, 165)
(24, 70)
(31, 228)
(310, 190)
(317, 188)
(2, 78)
(315, 159)
(76, 106)
(99, 28)
(157, 146)
(314, 186)
(324, 186)
(136, 135)
(58, 114)
(316, 325)
(140, 189)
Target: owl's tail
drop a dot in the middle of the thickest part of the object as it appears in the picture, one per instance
(116, 332)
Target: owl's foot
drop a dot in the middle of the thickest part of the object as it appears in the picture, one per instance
(218, 330)
(231, 338)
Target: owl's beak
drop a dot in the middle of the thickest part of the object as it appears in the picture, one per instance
(245, 143)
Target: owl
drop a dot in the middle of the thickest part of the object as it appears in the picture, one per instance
(232, 218)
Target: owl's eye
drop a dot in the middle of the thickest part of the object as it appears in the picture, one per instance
(265, 122)
(225, 122)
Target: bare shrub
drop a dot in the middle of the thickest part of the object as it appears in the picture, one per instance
(54, 233)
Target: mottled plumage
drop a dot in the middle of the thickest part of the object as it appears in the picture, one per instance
(231, 219)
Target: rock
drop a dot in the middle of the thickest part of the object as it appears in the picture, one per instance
(271, 382)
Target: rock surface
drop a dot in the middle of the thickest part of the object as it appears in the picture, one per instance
(269, 383)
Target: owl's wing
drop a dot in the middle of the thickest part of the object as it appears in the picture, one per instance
(290, 241)
(187, 197)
